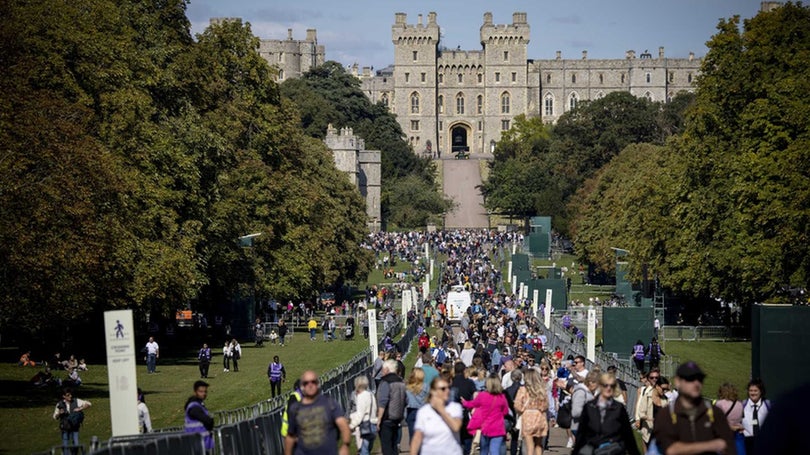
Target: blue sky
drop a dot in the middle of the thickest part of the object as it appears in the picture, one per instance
(360, 30)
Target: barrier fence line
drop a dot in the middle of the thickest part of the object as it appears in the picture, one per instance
(254, 429)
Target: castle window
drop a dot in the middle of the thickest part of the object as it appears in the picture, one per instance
(574, 78)
(414, 125)
(548, 104)
(281, 75)
(415, 56)
(441, 78)
(440, 104)
(281, 57)
(649, 96)
(497, 77)
(649, 78)
(414, 103)
(505, 125)
(548, 78)
(622, 78)
(480, 78)
(689, 78)
(480, 125)
(505, 103)
(672, 76)
(601, 78)
(505, 55)
(384, 99)
(514, 76)
(572, 101)
(460, 103)
(407, 77)
(441, 124)
(460, 78)
(424, 77)
(480, 104)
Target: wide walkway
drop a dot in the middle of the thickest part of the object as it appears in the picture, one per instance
(556, 444)
(460, 181)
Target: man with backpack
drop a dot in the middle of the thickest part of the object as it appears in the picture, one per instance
(692, 424)
(391, 401)
(70, 413)
(655, 352)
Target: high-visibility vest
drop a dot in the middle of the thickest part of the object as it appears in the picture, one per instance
(285, 424)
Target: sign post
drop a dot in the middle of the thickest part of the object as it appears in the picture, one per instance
(425, 290)
(119, 334)
(547, 310)
(535, 301)
(406, 305)
(591, 334)
(509, 275)
(372, 333)
(431, 269)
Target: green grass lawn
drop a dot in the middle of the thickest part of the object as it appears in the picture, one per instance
(165, 391)
(721, 361)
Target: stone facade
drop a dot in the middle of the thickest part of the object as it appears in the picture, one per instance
(447, 100)
(362, 166)
(291, 57)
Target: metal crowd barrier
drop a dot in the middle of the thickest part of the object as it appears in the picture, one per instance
(153, 444)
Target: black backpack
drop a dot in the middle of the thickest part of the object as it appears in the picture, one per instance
(564, 415)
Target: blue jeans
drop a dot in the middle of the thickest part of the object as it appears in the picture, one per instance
(70, 438)
(491, 445)
(311, 334)
(151, 360)
(368, 443)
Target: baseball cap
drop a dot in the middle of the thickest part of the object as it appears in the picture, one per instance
(690, 371)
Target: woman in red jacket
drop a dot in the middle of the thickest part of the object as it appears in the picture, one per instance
(489, 409)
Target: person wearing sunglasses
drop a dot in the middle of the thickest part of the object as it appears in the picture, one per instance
(315, 422)
(438, 422)
(604, 426)
(692, 424)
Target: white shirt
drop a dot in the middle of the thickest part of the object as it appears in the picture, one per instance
(506, 380)
(144, 420)
(437, 438)
(748, 416)
(152, 348)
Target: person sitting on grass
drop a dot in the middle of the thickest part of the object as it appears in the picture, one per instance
(25, 360)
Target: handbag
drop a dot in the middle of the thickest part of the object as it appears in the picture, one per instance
(475, 449)
(367, 428)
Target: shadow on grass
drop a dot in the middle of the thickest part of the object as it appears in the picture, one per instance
(21, 394)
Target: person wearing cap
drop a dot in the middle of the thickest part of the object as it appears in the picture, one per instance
(691, 424)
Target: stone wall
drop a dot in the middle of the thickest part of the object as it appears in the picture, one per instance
(363, 167)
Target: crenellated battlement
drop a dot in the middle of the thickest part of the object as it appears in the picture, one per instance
(419, 33)
(505, 34)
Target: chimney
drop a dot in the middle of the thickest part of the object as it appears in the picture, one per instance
(400, 18)
(559, 55)
(585, 55)
(518, 18)
(487, 18)
(312, 35)
(629, 55)
(661, 52)
(419, 19)
(691, 56)
(431, 18)
(289, 34)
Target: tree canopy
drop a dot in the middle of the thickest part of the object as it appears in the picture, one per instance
(538, 167)
(722, 209)
(133, 157)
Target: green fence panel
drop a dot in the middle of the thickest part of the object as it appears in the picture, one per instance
(520, 262)
(622, 327)
(779, 340)
(559, 292)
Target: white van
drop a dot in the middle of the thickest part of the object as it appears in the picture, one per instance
(457, 303)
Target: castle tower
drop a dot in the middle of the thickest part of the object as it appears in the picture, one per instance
(505, 55)
(415, 49)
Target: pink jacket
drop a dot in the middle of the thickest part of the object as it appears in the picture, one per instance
(489, 411)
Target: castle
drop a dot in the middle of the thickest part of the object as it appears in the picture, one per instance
(449, 100)
(362, 166)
